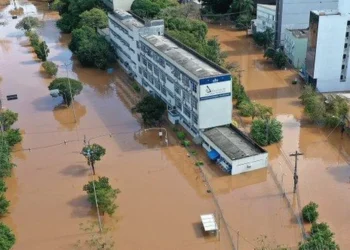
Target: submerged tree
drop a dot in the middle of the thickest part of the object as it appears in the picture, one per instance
(7, 237)
(28, 23)
(266, 131)
(67, 87)
(93, 153)
(8, 118)
(151, 109)
(94, 18)
(42, 51)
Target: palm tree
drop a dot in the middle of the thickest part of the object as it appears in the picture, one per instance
(243, 5)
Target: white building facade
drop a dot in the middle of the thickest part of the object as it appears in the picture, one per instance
(265, 18)
(295, 14)
(327, 57)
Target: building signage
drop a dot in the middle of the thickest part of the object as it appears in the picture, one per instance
(211, 91)
(215, 79)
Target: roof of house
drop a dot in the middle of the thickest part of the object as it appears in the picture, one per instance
(233, 142)
(181, 56)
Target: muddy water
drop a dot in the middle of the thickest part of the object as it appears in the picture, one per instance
(324, 170)
(162, 195)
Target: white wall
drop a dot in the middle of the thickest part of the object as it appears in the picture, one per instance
(296, 13)
(265, 18)
(122, 4)
(329, 53)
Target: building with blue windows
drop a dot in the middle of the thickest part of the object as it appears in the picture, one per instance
(198, 93)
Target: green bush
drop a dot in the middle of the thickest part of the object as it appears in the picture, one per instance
(13, 136)
(246, 108)
(8, 118)
(280, 59)
(307, 92)
(186, 143)
(310, 213)
(4, 205)
(199, 163)
(7, 237)
(50, 68)
(136, 87)
(33, 38)
(321, 238)
(181, 135)
(27, 23)
(239, 94)
(3, 187)
(68, 88)
(42, 51)
(151, 109)
(266, 132)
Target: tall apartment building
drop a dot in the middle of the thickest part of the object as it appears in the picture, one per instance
(198, 93)
(327, 57)
(294, 14)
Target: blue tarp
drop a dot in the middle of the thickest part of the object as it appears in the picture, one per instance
(213, 155)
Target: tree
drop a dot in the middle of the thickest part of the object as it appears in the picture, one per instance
(315, 108)
(310, 213)
(7, 237)
(321, 238)
(151, 110)
(4, 205)
(150, 8)
(93, 153)
(216, 6)
(106, 195)
(28, 23)
(3, 187)
(264, 39)
(6, 165)
(81, 35)
(246, 108)
(42, 51)
(13, 136)
(68, 22)
(50, 68)
(270, 53)
(243, 21)
(33, 38)
(280, 59)
(181, 11)
(266, 132)
(8, 118)
(243, 6)
(94, 18)
(68, 88)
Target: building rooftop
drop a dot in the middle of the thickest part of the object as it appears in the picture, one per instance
(326, 12)
(267, 6)
(184, 58)
(300, 33)
(233, 142)
(127, 19)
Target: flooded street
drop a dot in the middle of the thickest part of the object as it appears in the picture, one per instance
(324, 170)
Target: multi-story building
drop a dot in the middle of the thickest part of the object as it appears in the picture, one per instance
(198, 93)
(118, 4)
(294, 14)
(295, 45)
(327, 56)
(265, 18)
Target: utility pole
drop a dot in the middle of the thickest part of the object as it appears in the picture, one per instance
(94, 187)
(70, 92)
(296, 177)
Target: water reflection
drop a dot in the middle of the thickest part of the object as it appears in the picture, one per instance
(65, 116)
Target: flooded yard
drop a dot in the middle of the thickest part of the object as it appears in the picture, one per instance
(324, 170)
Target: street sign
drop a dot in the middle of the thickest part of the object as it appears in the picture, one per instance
(11, 97)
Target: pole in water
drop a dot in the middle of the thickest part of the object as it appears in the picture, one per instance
(295, 176)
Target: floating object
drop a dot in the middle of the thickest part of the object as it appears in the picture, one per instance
(11, 97)
(209, 223)
(14, 17)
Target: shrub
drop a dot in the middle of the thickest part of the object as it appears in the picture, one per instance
(321, 238)
(4, 205)
(199, 163)
(8, 118)
(308, 92)
(181, 135)
(27, 23)
(42, 50)
(270, 53)
(310, 213)
(315, 108)
(7, 237)
(33, 38)
(239, 93)
(280, 59)
(246, 108)
(136, 87)
(13, 136)
(266, 132)
(3, 187)
(151, 109)
(50, 68)
(186, 143)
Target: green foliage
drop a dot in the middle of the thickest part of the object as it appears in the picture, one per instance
(180, 11)
(270, 53)
(315, 108)
(6, 165)
(7, 238)
(337, 106)
(243, 21)
(216, 6)
(42, 51)
(266, 132)
(91, 49)
(310, 213)
(181, 135)
(238, 93)
(28, 23)
(94, 18)
(62, 84)
(50, 68)
(199, 163)
(8, 118)
(321, 238)
(60, 5)
(3, 187)
(106, 195)
(193, 152)
(280, 59)
(151, 110)
(93, 153)
(136, 87)
(68, 22)
(33, 38)
(198, 28)
(13, 136)
(264, 39)
(150, 8)
(246, 108)
(4, 205)
(186, 143)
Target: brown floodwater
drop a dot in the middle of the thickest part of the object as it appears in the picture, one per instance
(324, 170)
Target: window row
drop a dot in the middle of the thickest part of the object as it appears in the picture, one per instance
(126, 44)
(125, 31)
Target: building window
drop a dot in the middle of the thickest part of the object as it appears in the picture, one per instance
(194, 102)
(138, 57)
(195, 118)
(140, 70)
(157, 83)
(186, 96)
(345, 46)
(348, 23)
(341, 78)
(156, 70)
(169, 92)
(137, 44)
(178, 103)
(149, 64)
(194, 86)
(187, 111)
(344, 56)
(163, 90)
(347, 34)
(162, 76)
(178, 89)
(343, 66)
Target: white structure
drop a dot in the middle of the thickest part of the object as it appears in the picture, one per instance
(265, 18)
(209, 223)
(119, 4)
(197, 92)
(294, 14)
(327, 57)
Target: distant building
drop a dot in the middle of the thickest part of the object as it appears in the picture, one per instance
(295, 46)
(197, 92)
(327, 58)
(118, 4)
(294, 14)
(265, 18)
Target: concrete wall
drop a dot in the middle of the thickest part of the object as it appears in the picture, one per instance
(294, 14)
(295, 49)
(329, 53)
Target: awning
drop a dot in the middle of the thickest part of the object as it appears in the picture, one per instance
(213, 155)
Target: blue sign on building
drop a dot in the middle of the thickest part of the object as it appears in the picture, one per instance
(215, 79)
